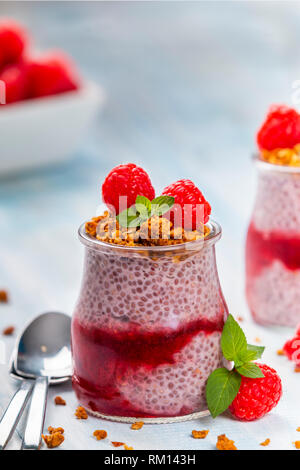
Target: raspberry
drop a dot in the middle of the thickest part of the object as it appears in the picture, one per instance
(292, 349)
(281, 129)
(13, 40)
(197, 209)
(51, 75)
(126, 180)
(15, 78)
(256, 397)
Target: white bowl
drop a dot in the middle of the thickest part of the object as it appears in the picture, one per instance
(46, 130)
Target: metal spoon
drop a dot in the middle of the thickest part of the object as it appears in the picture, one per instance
(43, 353)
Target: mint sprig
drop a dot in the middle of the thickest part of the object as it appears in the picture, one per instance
(223, 385)
(143, 209)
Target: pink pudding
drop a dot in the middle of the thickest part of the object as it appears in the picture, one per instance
(147, 326)
(273, 247)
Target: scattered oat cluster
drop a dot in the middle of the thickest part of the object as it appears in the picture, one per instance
(56, 435)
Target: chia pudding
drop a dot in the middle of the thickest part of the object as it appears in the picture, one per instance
(273, 240)
(273, 247)
(147, 325)
(146, 332)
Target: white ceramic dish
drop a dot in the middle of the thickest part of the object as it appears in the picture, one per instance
(46, 130)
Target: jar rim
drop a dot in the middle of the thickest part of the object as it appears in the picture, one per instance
(196, 245)
(267, 166)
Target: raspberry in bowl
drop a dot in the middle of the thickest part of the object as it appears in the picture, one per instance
(273, 240)
(146, 329)
(39, 94)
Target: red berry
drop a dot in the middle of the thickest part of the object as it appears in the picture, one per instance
(292, 349)
(15, 78)
(197, 209)
(281, 129)
(13, 40)
(256, 397)
(126, 180)
(298, 330)
(51, 75)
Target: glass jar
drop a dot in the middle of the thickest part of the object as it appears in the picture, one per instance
(273, 247)
(146, 329)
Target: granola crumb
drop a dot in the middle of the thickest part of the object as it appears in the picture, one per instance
(200, 434)
(81, 413)
(297, 444)
(3, 296)
(8, 331)
(240, 319)
(297, 369)
(298, 429)
(117, 444)
(257, 339)
(55, 438)
(100, 434)
(265, 443)
(127, 447)
(224, 443)
(280, 352)
(52, 430)
(59, 401)
(282, 156)
(137, 425)
(155, 231)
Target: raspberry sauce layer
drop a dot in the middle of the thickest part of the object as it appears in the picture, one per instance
(264, 247)
(106, 360)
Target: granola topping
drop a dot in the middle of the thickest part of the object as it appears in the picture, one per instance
(3, 296)
(265, 443)
(55, 437)
(224, 443)
(156, 231)
(59, 401)
(200, 434)
(81, 413)
(100, 434)
(137, 425)
(8, 331)
(282, 156)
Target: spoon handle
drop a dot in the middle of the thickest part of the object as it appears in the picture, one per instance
(36, 415)
(13, 413)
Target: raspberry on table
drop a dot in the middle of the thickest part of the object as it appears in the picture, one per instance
(281, 129)
(197, 209)
(256, 397)
(292, 349)
(13, 40)
(126, 181)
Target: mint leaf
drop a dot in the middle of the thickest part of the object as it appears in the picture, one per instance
(258, 350)
(143, 206)
(233, 340)
(128, 217)
(221, 389)
(161, 205)
(250, 370)
(251, 354)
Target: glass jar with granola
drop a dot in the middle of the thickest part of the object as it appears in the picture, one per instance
(147, 326)
(273, 240)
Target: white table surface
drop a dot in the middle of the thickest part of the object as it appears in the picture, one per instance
(184, 100)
